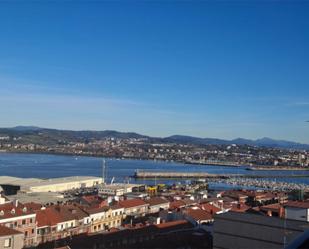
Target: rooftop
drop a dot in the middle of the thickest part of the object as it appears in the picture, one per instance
(132, 203)
(61, 180)
(297, 204)
(157, 201)
(38, 197)
(33, 182)
(199, 215)
(245, 230)
(4, 231)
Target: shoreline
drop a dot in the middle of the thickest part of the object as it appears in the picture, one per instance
(221, 164)
(263, 168)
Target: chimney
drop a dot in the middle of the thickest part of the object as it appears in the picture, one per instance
(15, 203)
(282, 212)
(2, 199)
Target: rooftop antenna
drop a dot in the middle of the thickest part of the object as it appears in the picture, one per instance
(103, 170)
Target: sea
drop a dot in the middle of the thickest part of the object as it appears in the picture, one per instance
(44, 166)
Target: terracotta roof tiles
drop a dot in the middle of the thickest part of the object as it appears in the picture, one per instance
(132, 203)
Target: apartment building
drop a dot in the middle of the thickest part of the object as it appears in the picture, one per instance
(134, 207)
(61, 221)
(10, 238)
(17, 216)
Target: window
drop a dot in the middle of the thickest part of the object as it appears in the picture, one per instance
(26, 233)
(7, 243)
(24, 222)
(32, 231)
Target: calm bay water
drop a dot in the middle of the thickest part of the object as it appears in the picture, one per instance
(49, 166)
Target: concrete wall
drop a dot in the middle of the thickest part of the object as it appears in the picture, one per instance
(16, 241)
(156, 208)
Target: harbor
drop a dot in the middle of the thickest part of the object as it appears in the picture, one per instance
(265, 184)
(234, 180)
(46, 166)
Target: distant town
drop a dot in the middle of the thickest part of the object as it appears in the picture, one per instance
(131, 145)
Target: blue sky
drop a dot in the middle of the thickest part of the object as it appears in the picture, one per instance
(209, 69)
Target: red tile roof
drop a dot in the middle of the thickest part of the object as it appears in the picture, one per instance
(9, 210)
(156, 201)
(116, 206)
(172, 223)
(8, 231)
(97, 210)
(177, 204)
(59, 213)
(132, 203)
(199, 215)
(210, 208)
(298, 204)
(33, 206)
(48, 217)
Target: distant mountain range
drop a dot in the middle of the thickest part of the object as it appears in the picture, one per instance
(33, 134)
(262, 142)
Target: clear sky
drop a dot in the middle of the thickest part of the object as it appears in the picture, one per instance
(209, 69)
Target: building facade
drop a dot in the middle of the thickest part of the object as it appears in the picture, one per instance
(16, 216)
(10, 238)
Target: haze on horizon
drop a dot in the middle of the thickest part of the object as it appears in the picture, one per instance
(223, 70)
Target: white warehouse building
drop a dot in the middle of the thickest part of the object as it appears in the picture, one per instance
(31, 185)
(62, 184)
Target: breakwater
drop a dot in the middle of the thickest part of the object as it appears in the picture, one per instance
(188, 175)
(149, 174)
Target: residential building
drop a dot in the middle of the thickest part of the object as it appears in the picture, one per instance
(198, 217)
(105, 218)
(134, 207)
(297, 210)
(244, 230)
(17, 216)
(62, 221)
(157, 204)
(10, 238)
